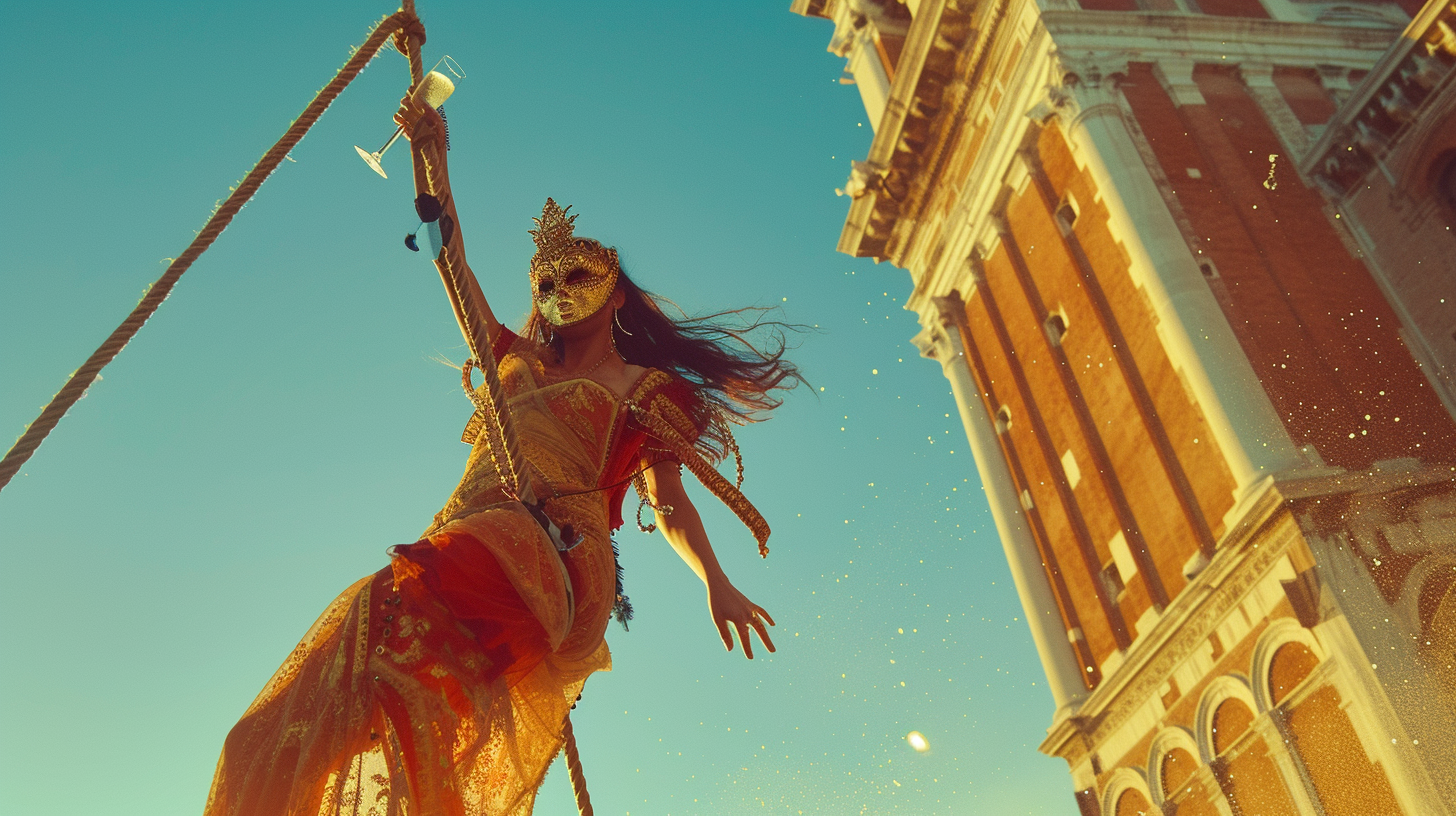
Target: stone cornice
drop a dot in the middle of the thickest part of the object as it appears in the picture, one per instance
(921, 74)
(1150, 36)
(1027, 94)
(1243, 558)
(1094, 48)
(978, 31)
(1389, 103)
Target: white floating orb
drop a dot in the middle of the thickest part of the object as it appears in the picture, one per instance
(917, 741)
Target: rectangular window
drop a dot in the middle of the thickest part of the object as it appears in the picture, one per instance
(1069, 466)
(1122, 556)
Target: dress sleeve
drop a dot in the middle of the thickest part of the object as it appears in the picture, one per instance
(681, 407)
(635, 448)
(673, 418)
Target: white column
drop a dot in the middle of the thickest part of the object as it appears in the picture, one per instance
(940, 340)
(1192, 326)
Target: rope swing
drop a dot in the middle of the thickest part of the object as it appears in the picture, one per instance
(409, 35)
(405, 27)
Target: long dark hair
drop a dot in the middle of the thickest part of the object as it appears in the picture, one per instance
(735, 381)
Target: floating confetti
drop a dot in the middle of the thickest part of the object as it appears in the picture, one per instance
(1271, 183)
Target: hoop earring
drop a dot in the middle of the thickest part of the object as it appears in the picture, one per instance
(617, 318)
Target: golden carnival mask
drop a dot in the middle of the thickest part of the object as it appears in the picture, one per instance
(571, 278)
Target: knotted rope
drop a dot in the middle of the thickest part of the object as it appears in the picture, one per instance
(573, 766)
(409, 34)
(404, 22)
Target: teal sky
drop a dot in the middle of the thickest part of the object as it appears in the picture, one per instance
(284, 417)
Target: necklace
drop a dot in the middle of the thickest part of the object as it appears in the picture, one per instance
(598, 364)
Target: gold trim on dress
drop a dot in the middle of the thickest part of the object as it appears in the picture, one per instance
(710, 477)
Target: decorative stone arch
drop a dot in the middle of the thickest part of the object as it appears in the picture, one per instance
(1170, 738)
(1435, 615)
(1121, 781)
(1430, 150)
(1279, 632)
(1219, 690)
(1441, 174)
(1425, 577)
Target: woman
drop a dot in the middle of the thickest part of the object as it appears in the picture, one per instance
(440, 684)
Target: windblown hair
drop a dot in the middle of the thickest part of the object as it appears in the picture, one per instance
(735, 381)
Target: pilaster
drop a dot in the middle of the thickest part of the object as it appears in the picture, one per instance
(940, 340)
(1258, 78)
(1191, 325)
(1271, 728)
(1206, 779)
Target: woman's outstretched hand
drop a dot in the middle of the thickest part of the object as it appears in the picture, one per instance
(728, 607)
(683, 528)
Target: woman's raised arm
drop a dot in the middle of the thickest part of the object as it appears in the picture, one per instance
(426, 132)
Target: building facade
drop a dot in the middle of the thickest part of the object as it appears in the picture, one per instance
(1190, 269)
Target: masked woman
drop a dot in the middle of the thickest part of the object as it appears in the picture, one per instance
(440, 685)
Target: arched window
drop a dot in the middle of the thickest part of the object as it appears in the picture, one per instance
(1249, 777)
(1243, 763)
(1346, 780)
(1292, 663)
(1125, 793)
(1177, 766)
(1133, 803)
(1230, 720)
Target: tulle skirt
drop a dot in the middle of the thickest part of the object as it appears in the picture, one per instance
(428, 689)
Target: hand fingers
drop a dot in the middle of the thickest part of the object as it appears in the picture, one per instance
(410, 111)
(763, 633)
(723, 633)
(743, 637)
(766, 616)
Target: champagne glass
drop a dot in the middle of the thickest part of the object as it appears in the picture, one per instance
(434, 89)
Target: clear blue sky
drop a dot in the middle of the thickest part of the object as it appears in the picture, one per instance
(282, 419)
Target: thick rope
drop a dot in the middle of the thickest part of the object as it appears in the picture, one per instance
(409, 35)
(573, 766)
(81, 379)
(494, 428)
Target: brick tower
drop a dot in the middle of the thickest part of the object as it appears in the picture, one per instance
(1190, 270)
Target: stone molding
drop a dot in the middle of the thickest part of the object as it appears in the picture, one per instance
(1175, 74)
(1170, 737)
(1278, 634)
(1390, 103)
(1120, 781)
(1219, 690)
(1186, 624)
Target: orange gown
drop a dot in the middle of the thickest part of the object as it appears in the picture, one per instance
(438, 686)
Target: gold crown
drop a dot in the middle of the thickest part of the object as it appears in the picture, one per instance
(553, 229)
